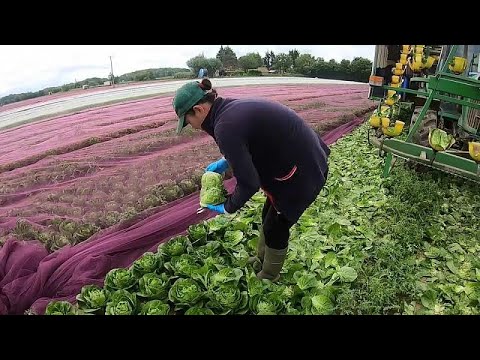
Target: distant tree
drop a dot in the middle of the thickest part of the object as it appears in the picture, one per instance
(227, 57)
(294, 54)
(305, 64)
(198, 62)
(283, 62)
(269, 60)
(250, 61)
(214, 64)
(360, 69)
(345, 65)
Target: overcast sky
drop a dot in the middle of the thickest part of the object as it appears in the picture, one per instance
(34, 67)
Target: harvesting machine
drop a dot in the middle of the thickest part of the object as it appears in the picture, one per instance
(429, 106)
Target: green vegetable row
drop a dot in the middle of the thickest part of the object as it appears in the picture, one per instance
(408, 244)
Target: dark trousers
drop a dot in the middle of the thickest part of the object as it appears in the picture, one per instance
(275, 227)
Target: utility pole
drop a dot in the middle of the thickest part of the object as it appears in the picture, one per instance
(111, 68)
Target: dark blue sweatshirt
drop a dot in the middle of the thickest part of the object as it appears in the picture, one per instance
(269, 146)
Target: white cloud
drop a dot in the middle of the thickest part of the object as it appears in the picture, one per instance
(34, 67)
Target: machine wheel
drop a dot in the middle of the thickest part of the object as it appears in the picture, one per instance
(429, 122)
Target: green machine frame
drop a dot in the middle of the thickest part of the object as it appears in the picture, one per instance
(443, 86)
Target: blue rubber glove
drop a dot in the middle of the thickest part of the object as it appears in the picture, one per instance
(218, 208)
(219, 166)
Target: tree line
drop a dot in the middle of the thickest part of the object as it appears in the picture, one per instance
(135, 76)
(227, 63)
(293, 62)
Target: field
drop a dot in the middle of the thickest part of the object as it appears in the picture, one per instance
(119, 185)
(405, 245)
(64, 179)
(61, 95)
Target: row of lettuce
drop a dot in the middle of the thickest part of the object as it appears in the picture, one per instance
(407, 244)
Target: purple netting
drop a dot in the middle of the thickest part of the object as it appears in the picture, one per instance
(31, 278)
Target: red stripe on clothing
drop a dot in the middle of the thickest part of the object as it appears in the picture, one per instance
(289, 175)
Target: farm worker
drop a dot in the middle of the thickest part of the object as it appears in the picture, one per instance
(267, 146)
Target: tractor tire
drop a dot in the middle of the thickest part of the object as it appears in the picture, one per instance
(429, 122)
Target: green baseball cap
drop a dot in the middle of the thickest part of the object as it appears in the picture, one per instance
(185, 98)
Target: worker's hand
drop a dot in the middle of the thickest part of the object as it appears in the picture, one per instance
(218, 208)
(219, 166)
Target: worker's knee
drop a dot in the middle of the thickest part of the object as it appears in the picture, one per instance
(276, 231)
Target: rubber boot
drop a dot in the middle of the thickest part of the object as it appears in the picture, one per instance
(272, 264)
(260, 249)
